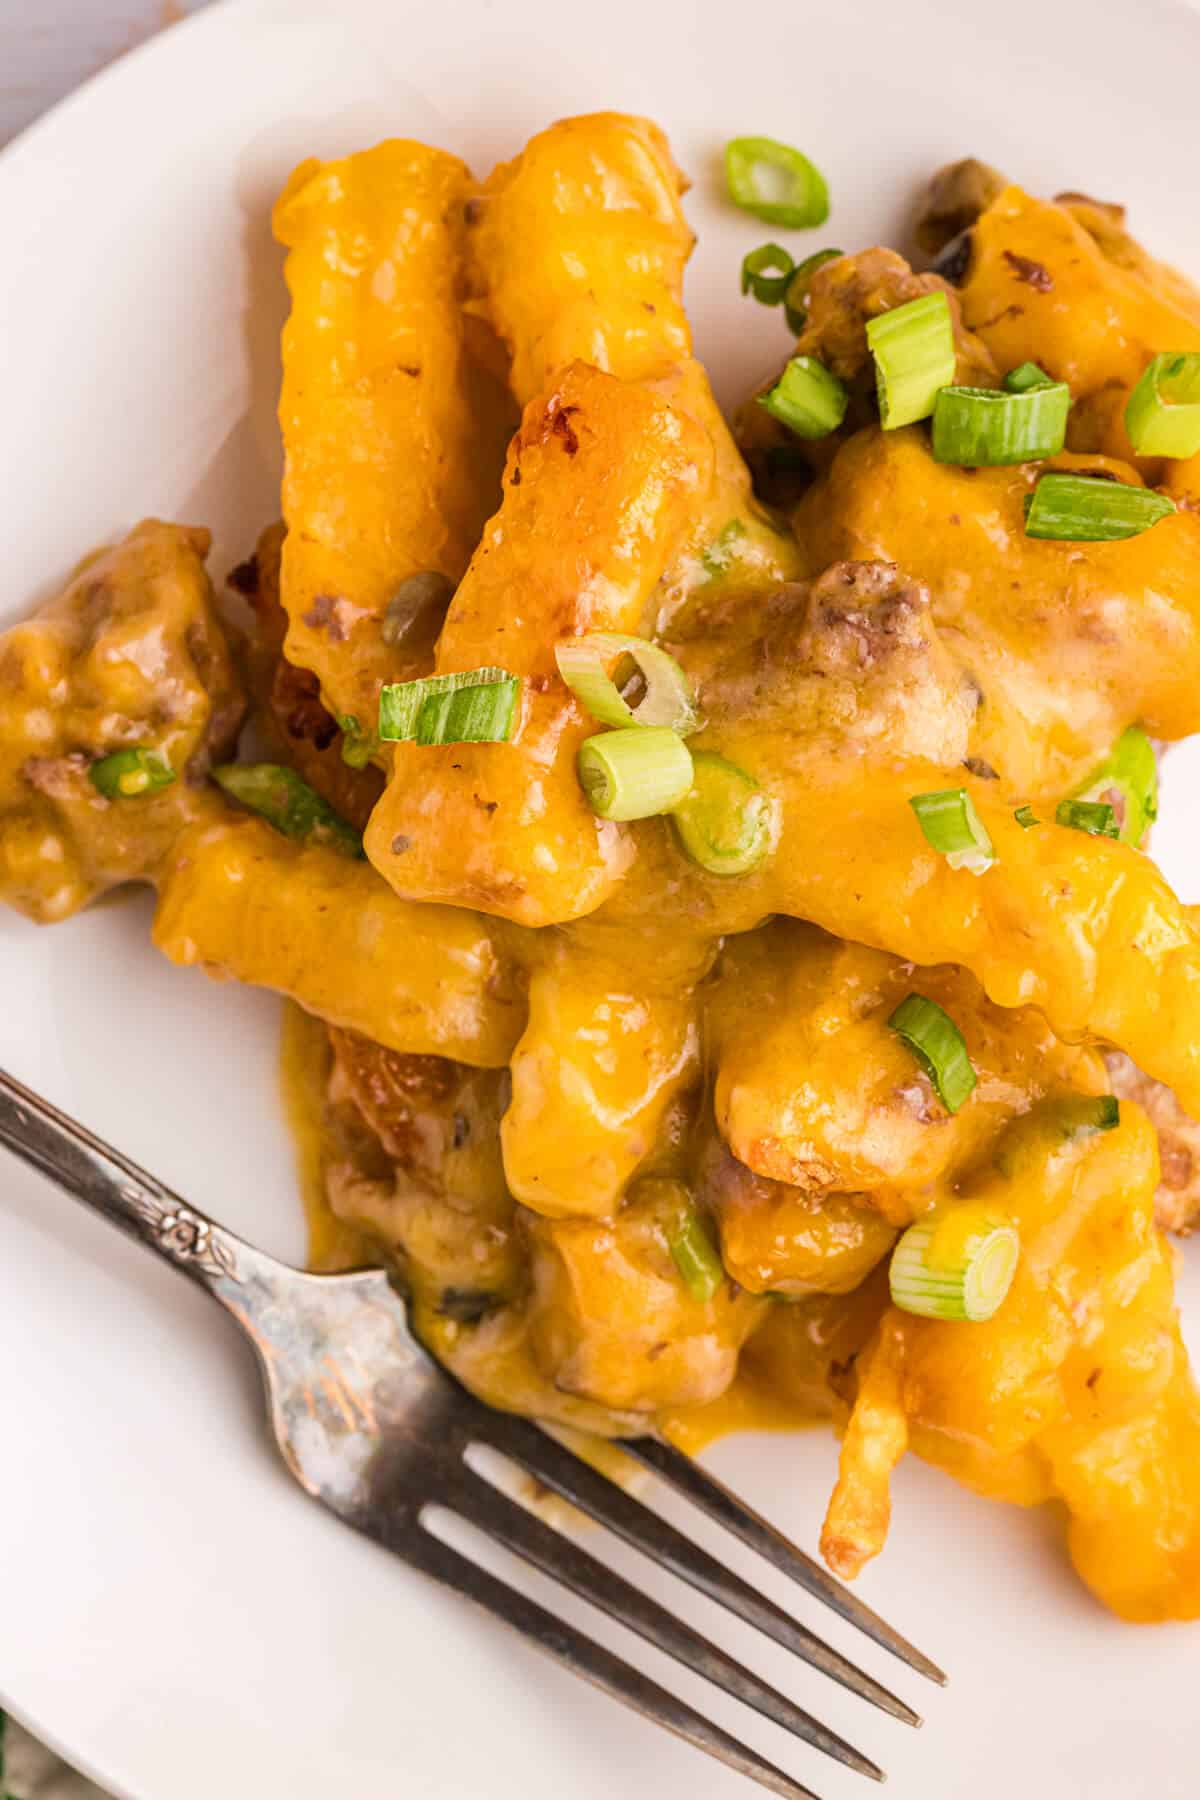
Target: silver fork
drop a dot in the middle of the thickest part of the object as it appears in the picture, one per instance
(374, 1428)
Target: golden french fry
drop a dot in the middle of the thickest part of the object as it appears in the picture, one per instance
(1066, 287)
(1078, 1385)
(599, 485)
(602, 1058)
(860, 1507)
(576, 253)
(387, 472)
(240, 900)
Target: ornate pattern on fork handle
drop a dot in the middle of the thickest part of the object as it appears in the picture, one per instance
(182, 1233)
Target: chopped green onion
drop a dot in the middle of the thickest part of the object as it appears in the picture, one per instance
(1088, 509)
(794, 309)
(420, 599)
(1162, 415)
(636, 773)
(126, 774)
(627, 681)
(1128, 780)
(951, 824)
(775, 182)
(984, 427)
(1093, 816)
(766, 273)
(1026, 377)
(938, 1044)
(695, 1256)
(474, 707)
(1025, 817)
(289, 804)
(913, 347)
(955, 1263)
(1083, 1115)
(717, 557)
(808, 398)
(358, 746)
(725, 823)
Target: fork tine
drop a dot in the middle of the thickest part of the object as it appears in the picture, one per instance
(724, 1507)
(608, 1504)
(558, 1556)
(582, 1655)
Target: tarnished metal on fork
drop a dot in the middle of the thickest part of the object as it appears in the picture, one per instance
(373, 1427)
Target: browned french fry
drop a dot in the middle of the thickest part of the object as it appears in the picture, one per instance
(598, 490)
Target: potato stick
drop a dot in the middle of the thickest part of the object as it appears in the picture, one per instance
(1078, 1385)
(860, 1508)
(1084, 928)
(600, 482)
(385, 472)
(240, 900)
(1040, 287)
(577, 252)
(602, 1058)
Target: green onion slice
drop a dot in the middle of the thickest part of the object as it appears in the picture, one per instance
(775, 182)
(628, 681)
(984, 427)
(726, 822)
(358, 746)
(796, 294)
(938, 1044)
(285, 801)
(719, 556)
(766, 273)
(1095, 817)
(1087, 509)
(636, 773)
(913, 347)
(808, 398)
(951, 824)
(474, 707)
(1083, 1115)
(127, 774)
(695, 1256)
(1025, 817)
(1128, 780)
(1026, 377)
(956, 1263)
(1162, 415)
(421, 600)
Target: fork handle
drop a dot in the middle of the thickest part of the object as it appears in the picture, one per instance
(124, 1194)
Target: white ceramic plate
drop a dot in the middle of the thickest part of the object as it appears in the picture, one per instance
(173, 1614)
